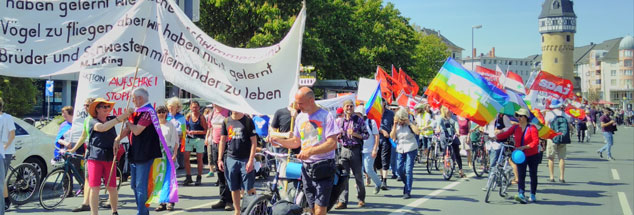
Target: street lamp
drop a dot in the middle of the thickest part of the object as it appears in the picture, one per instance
(472, 52)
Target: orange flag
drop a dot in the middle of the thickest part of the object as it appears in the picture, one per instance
(409, 85)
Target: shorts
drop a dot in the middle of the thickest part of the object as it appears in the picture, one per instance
(237, 176)
(7, 163)
(99, 170)
(426, 142)
(317, 192)
(465, 143)
(386, 153)
(197, 144)
(552, 149)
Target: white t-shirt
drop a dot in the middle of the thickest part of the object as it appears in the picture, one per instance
(368, 144)
(406, 139)
(6, 125)
(170, 134)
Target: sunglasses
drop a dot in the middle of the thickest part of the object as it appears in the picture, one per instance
(161, 112)
(103, 106)
(517, 116)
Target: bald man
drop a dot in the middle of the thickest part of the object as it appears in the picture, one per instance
(316, 132)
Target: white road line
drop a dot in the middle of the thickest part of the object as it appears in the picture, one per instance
(188, 209)
(615, 175)
(624, 204)
(412, 206)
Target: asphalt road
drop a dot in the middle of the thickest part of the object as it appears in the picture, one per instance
(593, 186)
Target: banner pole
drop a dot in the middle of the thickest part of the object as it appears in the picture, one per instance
(114, 156)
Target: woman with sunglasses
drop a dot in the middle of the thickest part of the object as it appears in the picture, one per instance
(527, 140)
(171, 138)
(101, 150)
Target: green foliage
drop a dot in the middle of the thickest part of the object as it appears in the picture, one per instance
(343, 39)
(18, 95)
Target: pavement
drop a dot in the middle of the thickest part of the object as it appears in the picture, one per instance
(593, 186)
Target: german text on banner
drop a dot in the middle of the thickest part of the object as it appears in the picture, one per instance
(57, 37)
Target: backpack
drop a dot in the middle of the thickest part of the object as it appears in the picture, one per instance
(560, 125)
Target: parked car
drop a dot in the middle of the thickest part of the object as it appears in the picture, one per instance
(33, 146)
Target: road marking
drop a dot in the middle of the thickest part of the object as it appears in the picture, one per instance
(615, 175)
(188, 209)
(624, 204)
(411, 206)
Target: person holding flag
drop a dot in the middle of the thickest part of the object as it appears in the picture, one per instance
(144, 147)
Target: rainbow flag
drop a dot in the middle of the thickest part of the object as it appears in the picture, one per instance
(374, 109)
(544, 131)
(465, 93)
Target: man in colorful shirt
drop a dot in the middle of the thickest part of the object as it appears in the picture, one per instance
(354, 132)
(316, 132)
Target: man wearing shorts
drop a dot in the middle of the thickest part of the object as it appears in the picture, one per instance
(316, 132)
(239, 140)
(557, 145)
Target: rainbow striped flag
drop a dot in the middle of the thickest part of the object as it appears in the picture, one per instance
(464, 92)
(544, 131)
(374, 109)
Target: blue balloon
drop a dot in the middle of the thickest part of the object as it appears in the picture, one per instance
(518, 157)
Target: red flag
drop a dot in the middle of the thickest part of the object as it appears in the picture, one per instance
(395, 74)
(514, 82)
(574, 112)
(552, 84)
(402, 99)
(410, 86)
(491, 76)
(386, 89)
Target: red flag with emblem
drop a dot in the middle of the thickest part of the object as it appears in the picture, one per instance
(575, 112)
(552, 84)
(409, 85)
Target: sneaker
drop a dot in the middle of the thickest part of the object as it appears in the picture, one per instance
(394, 176)
(341, 205)
(219, 204)
(520, 198)
(533, 199)
(188, 181)
(198, 180)
(384, 187)
(407, 196)
(361, 204)
(600, 154)
(210, 174)
(7, 204)
(611, 158)
(399, 179)
(377, 190)
(229, 207)
(82, 208)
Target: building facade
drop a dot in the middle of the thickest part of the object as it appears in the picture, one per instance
(557, 26)
(520, 66)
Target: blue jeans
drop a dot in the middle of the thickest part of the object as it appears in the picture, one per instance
(140, 173)
(405, 167)
(493, 157)
(609, 140)
(368, 165)
(393, 161)
(2, 177)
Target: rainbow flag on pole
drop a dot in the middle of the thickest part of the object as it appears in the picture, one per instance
(374, 109)
(464, 92)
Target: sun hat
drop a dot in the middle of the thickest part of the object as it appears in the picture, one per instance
(556, 103)
(419, 106)
(522, 112)
(93, 106)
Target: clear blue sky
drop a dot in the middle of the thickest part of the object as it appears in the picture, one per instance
(511, 25)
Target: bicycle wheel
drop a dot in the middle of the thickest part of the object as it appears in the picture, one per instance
(448, 164)
(54, 189)
(261, 205)
(479, 161)
(490, 186)
(505, 183)
(430, 160)
(421, 154)
(22, 183)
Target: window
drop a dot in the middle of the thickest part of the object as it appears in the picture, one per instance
(556, 60)
(542, 36)
(598, 72)
(628, 53)
(627, 63)
(495, 61)
(19, 131)
(627, 72)
(613, 72)
(613, 82)
(568, 36)
(628, 83)
(598, 81)
(587, 73)
(543, 23)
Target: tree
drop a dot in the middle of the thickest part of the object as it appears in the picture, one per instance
(342, 39)
(18, 95)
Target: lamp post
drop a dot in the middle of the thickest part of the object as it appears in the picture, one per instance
(472, 52)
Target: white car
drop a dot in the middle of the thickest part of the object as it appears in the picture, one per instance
(33, 146)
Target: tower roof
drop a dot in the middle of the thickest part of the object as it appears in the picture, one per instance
(627, 43)
(557, 8)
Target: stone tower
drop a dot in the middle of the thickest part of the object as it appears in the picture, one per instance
(557, 25)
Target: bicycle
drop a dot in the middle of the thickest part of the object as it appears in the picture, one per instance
(480, 156)
(22, 182)
(502, 174)
(433, 153)
(448, 159)
(56, 186)
(263, 204)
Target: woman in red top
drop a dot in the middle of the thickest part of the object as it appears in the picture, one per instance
(526, 139)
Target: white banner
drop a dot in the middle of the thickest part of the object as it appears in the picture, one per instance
(366, 89)
(49, 37)
(331, 105)
(116, 86)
